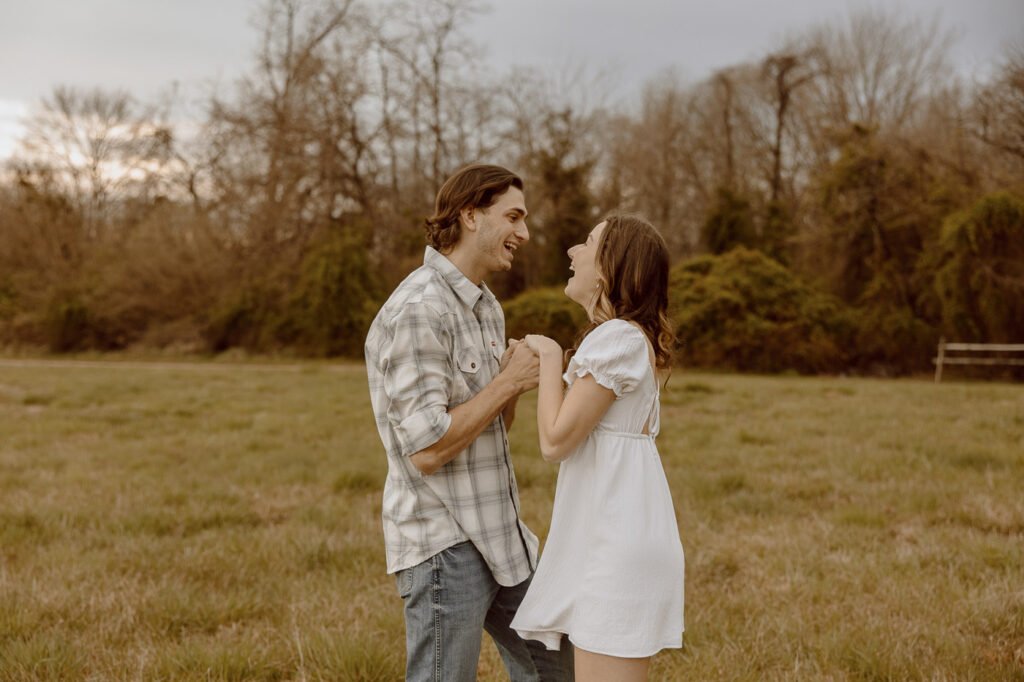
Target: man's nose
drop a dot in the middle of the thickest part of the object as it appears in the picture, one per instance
(523, 233)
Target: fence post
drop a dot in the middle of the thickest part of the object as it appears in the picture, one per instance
(938, 361)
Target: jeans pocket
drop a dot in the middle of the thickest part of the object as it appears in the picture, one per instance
(404, 580)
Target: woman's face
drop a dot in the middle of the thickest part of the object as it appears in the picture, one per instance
(583, 285)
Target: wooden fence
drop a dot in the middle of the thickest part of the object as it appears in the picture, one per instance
(968, 354)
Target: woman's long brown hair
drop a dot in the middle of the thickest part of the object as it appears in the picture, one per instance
(633, 270)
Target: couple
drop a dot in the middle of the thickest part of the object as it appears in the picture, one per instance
(608, 592)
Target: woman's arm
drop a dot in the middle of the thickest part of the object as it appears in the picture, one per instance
(564, 420)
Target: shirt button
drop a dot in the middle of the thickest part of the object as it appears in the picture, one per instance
(472, 365)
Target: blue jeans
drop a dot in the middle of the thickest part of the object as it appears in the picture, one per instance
(449, 600)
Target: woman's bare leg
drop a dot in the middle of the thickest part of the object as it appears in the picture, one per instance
(591, 667)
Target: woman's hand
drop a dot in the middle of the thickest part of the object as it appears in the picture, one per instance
(542, 345)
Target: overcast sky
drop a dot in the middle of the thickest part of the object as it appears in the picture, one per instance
(146, 45)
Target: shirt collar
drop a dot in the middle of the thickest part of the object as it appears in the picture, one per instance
(467, 292)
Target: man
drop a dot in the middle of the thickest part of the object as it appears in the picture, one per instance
(444, 389)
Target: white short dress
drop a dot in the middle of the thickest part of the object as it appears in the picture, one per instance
(611, 574)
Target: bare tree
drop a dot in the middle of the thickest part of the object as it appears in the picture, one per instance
(427, 41)
(724, 86)
(661, 166)
(999, 109)
(786, 72)
(877, 69)
(289, 133)
(95, 147)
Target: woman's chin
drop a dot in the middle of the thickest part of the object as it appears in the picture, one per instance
(569, 293)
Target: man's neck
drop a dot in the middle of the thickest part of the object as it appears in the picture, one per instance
(463, 258)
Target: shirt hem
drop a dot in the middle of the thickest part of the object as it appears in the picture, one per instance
(394, 566)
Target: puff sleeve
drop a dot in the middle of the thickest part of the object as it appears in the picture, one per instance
(615, 354)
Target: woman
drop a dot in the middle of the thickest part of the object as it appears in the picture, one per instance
(611, 576)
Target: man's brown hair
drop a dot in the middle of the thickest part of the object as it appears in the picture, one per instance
(476, 186)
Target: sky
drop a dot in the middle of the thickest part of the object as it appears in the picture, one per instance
(145, 46)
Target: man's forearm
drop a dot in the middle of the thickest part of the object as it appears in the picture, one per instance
(468, 420)
(508, 413)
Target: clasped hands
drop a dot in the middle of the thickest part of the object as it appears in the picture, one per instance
(537, 344)
(522, 357)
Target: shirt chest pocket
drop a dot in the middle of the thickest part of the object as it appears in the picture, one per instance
(469, 361)
(469, 377)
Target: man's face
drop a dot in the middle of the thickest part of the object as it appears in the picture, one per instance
(501, 228)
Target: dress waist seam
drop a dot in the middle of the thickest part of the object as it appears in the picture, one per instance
(623, 434)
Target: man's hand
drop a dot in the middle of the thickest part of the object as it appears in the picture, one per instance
(522, 366)
(507, 355)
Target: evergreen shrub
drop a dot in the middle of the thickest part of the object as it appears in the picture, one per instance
(333, 302)
(979, 278)
(68, 323)
(238, 319)
(744, 311)
(891, 340)
(322, 308)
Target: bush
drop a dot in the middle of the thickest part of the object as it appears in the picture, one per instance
(891, 340)
(8, 300)
(730, 223)
(325, 311)
(238, 320)
(745, 311)
(545, 311)
(979, 272)
(334, 301)
(68, 323)
(159, 279)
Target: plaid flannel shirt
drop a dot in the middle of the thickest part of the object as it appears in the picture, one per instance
(435, 344)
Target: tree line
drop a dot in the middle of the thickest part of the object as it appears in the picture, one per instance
(276, 215)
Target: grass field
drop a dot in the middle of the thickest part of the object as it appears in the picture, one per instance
(205, 522)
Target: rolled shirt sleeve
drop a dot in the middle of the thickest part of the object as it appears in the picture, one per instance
(418, 377)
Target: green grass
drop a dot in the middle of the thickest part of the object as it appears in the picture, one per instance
(203, 522)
